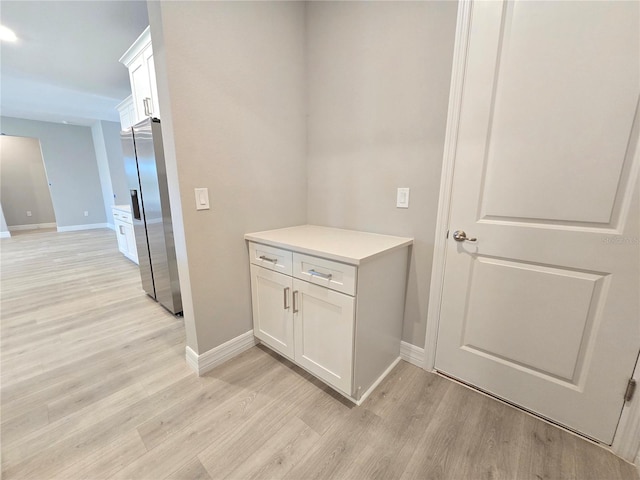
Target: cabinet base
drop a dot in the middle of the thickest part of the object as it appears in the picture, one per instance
(362, 398)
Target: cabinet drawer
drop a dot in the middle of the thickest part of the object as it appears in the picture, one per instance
(272, 258)
(122, 216)
(327, 273)
(125, 217)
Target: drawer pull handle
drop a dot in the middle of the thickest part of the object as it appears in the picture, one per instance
(286, 297)
(295, 302)
(267, 259)
(326, 276)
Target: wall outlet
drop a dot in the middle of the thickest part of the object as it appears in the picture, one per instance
(28, 213)
(86, 214)
(402, 200)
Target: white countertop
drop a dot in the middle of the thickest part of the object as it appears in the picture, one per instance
(124, 208)
(347, 246)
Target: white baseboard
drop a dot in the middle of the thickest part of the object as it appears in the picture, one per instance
(412, 354)
(216, 356)
(373, 386)
(31, 226)
(89, 226)
(5, 234)
(111, 226)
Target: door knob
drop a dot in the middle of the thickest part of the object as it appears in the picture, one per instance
(461, 236)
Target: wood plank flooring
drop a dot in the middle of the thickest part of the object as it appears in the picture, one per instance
(95, 386)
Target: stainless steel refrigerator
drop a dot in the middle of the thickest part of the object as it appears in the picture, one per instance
(147, 177)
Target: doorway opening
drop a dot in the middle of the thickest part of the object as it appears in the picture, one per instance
(24, 187)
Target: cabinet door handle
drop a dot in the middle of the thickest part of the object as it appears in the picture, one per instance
(121, 230)
(267, 259)
(147, 107)
(295, 301)
(326, 276)
(286, 298)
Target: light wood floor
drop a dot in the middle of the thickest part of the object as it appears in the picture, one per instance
(94, 385)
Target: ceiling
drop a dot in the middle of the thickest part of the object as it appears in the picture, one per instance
(64, 66)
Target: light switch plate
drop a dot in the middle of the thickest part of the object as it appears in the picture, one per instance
(202, 199)
(402, 200)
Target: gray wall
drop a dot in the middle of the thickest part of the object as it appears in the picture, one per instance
(113, 145)
(378, 89)
(108, 149)
(70, 162)
(23, 182)
(103, 170)
(236, 83)
(233, 101)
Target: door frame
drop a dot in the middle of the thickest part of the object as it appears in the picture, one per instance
(626, 441)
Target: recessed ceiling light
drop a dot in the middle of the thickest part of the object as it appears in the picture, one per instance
(7, 35)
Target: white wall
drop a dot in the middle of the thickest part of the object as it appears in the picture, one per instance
(378, 87)
(72, 170)
(231, 88)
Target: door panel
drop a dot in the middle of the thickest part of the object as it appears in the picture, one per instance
(140, 88)
(531, 316)
(543, 308)
(587, 51)
(120, 236)
(130, 242)
(153, 88)
(324, 325)
(272, 317)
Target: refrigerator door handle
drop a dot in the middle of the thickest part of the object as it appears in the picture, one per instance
(135, 205)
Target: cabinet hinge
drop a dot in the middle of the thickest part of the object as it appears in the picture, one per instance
(631, 388)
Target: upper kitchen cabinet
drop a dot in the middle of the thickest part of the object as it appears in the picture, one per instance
(142, 75)
(127, 113)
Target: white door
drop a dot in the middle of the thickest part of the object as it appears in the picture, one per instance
(323, 326)
(543, 308)
(272, 313)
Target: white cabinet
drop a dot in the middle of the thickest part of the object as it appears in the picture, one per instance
(124, 232)
(127, 113)
(306, 282)
(272, 312)
(142, 75)
(324, 333)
